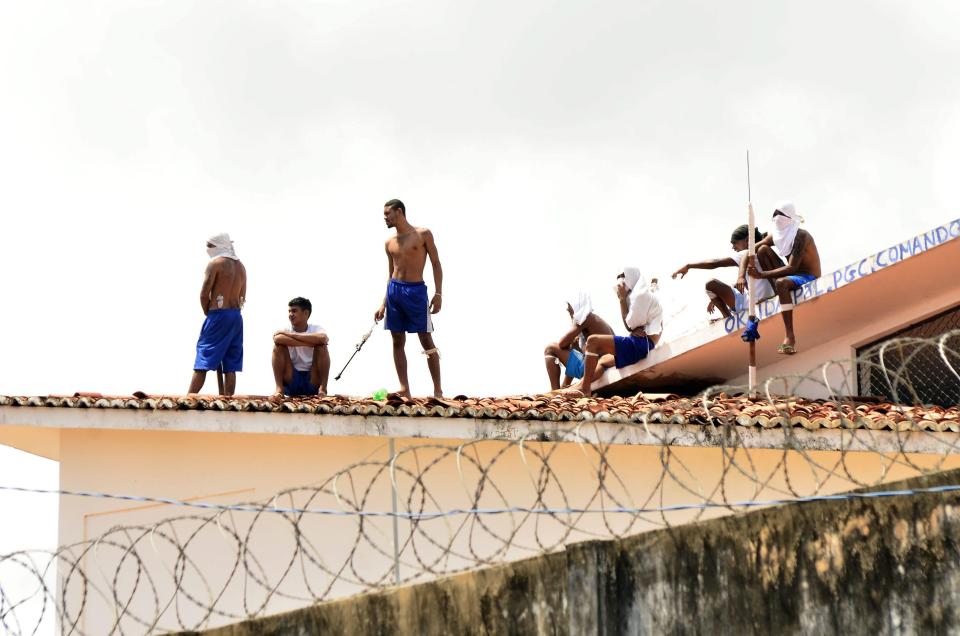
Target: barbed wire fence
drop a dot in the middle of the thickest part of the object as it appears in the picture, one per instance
(721, 452)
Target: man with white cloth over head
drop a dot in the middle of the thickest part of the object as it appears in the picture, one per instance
(798, 249)
(642, 316)
(222, 295)
(568, 351)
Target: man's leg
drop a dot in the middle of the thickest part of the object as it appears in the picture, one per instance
(768, 259)
(551, 355)
(433, 361)
(229, 382)
(722, 296)
(320, 371)
(282, 368)
(785, 287)
(196, 382)
(596, 347)
(400, 361)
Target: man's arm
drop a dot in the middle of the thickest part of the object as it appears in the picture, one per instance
(431, 246)
(209, 278)
(567, 340)
(295, 339)
(380, 313)
(243, 286)
(792, 266)
(714, 264)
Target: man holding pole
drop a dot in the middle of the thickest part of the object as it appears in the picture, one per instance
(406, 305)
(724, 297)
(222, 294)
(803, 265)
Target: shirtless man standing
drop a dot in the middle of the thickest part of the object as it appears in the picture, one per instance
(568, 351)
(221, 297)
(406, 305)
(803, 265)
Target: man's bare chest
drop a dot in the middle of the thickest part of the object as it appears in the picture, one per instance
(406, 247)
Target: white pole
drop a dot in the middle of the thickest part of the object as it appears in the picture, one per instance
(396, 529)
(752, 253)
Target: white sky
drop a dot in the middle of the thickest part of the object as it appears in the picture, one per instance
(545, 144)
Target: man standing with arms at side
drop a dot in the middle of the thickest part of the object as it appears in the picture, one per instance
(406, 305)
(222, 295)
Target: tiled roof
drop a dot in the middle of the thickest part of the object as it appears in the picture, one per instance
(655, 408)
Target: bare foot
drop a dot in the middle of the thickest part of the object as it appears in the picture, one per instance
(278, 392)
(438, 395)
(322, 393)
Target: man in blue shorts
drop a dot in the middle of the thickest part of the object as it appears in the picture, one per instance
(803, 265)
(568, 351)
(407, 305)
(222, 295)
(642, 316)
(301, 361)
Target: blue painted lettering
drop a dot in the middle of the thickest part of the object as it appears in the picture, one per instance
(905, 250)
(894, 254)
(728, 324)
(850, 275)
(860, 268)
(954, 228)
(880, 263)
(930, 239)
(916, 248)
(771, 306)
(837, 277)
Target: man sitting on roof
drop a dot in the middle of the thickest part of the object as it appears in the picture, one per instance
(568, 351)
(643, 318)
(736, 298)
(803, 265)
(301, 362)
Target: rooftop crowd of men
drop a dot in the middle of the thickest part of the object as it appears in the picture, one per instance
(785, 260)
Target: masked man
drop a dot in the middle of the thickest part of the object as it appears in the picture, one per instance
(568, 351)
(222, 295)
(797, 248)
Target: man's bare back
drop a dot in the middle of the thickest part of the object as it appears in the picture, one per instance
(224, 284)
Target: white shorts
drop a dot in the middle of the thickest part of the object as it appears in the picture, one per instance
(764, 291)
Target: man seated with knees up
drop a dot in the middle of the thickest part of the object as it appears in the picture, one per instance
(736, 298)
(568, 351)
(803, 265)
(301, 362)
(643, 318)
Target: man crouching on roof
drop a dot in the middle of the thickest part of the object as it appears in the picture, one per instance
(803, 265)
(301, 361)
(568, 351)
(643, 318)
(222, 295)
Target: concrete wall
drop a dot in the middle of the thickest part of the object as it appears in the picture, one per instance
(872, 566)
(230, 468)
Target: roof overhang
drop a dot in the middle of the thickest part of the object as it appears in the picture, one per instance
(867, 291)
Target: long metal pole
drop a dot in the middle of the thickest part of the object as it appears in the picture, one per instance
(752, 247)
(396, 526)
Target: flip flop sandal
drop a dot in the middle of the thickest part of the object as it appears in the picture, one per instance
(786, 350)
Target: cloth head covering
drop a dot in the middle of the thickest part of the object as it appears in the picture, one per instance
(785, 228)
(222, 246)
(581, 305)
(633, 278)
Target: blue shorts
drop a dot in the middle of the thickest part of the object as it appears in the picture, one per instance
(408, 308)
(300, 385)
(802, 279)
(630, 349)
(574, 367)
(221, 341)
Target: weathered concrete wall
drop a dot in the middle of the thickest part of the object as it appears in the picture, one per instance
(878, 566)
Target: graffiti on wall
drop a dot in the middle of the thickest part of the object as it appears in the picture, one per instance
(846, 275)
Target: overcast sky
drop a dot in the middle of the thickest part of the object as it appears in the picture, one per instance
(545, 144)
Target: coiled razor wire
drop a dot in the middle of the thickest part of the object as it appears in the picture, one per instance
(223, 563)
